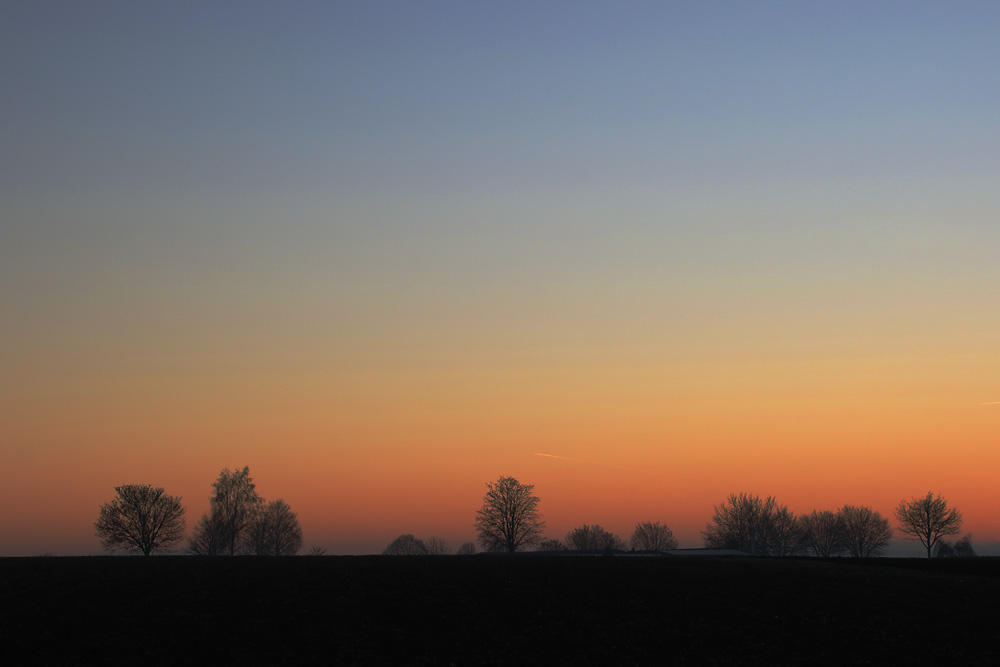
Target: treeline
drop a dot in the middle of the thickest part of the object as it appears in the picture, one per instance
(647, 536)
(762, 527)
(145, 519)
(509, 520)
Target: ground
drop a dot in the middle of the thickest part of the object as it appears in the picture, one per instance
(496, 610)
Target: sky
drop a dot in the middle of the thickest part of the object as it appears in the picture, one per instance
(383, 253)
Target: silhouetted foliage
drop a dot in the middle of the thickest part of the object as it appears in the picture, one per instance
(140, 518)
(232, 511)
(405, 545)
(275, 530)
(960, 549)
(963, 548)
(591, 538)
(944, 550)
(436, 546)
(209, 537)
(648, 536)
(317, 550)
(467, 549)
(866, 532)
(759, 527)
(549, 544)
(785, 535)
(823, 533)
(237, 503)
(928, 519)
(509, 518)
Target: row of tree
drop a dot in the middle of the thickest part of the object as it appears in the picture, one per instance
(763, 527)
(408, 545)
(647, 536)
(509, 520)
(145, 519)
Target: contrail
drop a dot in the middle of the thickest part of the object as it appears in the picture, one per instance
(595, 463)
(991, 403)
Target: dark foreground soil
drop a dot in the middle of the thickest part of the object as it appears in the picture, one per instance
(493, 610)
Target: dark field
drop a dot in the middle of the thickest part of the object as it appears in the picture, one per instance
(469, 610)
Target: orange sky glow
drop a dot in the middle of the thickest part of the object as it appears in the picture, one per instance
(620, 445)
(383, 253)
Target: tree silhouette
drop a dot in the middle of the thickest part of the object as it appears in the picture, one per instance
(232, 510)
(275, 530)
(759, 527)
(944, 550)
(140, 518)
(467, 549)
(784, 536)
(209, 537)
(405, 545)
(437, 546)
(960, 549)
(823, 533)
(237, 503)
(509, 518)
(593, 538)
(652, 536)
(549, 544)
(928, 519)
(963, 548)
(866, 532)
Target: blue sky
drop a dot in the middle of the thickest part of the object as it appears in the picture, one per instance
(452, 98)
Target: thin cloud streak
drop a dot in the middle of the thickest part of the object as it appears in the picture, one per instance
(595, 463)
(991, 403)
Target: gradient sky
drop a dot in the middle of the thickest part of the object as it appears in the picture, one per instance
(385, 252)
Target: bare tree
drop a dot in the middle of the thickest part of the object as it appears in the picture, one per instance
(549, 544)
(944, 550)
(209, 537)
(737, 523)
(866, 532)
(317, 550)
(256, 539)
(509, 518)
(236, 502)
(783, 536)
(405, 545)
(653, 536)
(963, 548)
(140, 518)
(759, 527)
(591, 538)
(437, 546)
(275, 531)
(467, 549)
(928, 519)
(960, 549)
(823, 533)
